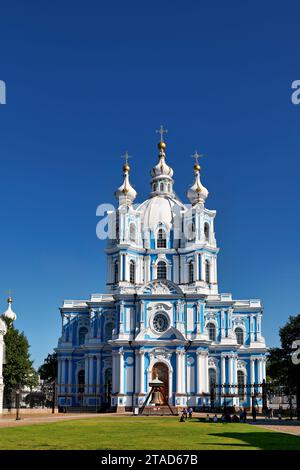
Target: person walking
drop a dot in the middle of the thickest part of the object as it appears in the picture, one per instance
(191, 412)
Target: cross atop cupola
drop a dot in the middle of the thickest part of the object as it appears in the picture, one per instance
(162, 131)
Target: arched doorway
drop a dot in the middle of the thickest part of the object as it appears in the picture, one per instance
(161, 371)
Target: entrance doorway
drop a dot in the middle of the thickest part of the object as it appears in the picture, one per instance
(161, 371)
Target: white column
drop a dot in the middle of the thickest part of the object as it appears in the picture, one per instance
(205, 372)
(121, 268)
(126, 268)
(223, 370)
(196, 268)
(121, 322)
(136, 372)
(199, 373)
(141, 325)
(147, 269)
(121, 371)
(259, 373)
(251, 329)
(142, 371)
(230, 373)
(252, 374)
(178, 372)
(264, 369)
(183, 372)
(114, 372)
(223, 325)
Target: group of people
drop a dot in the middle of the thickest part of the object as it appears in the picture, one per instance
(186, 413)
(241, 417)
(227, 418)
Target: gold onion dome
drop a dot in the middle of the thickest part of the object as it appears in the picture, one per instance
(126, 194)
(197, 192)
(162, 169)
(9, 314)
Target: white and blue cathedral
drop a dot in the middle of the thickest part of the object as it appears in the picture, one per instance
(162, 316)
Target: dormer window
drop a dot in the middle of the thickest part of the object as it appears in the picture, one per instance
(161, 238)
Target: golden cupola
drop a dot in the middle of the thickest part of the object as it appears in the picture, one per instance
(197, 193)
(126, 194)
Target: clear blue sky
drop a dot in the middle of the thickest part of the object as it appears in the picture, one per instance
(88, 80)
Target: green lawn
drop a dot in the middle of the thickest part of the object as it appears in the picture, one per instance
(143, 433)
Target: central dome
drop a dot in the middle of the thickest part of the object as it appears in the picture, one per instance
(160, 210)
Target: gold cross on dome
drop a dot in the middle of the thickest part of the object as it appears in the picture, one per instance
(162, 131)
(196, 156)
(126, 157)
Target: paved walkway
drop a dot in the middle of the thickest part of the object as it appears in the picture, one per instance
(284, 425)
(10, 421)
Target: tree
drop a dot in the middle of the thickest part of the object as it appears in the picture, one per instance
(18, 369)
(281, 370)
(48, 370)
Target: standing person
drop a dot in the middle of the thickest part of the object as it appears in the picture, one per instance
(254, 413)
(215, 419)
(190, 412)
(245, 415)
(241, 414)
(185, 412)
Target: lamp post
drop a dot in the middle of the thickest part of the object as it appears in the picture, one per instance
(18, 404)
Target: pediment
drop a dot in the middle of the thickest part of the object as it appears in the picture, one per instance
(160, 287)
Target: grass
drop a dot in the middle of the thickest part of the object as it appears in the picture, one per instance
(112, 433)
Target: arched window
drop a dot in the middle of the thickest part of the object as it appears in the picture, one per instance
(161, 239)
(206, 231)
(161, 270)
(116, 272)
(81, 381)
(239, 334)
(191, 272)
(169, 187)
(108, 330)
(161, 186)
(83, 331)
(132, 272)
(132, 232)
(241, 383)
(154, 186)
(207, 272)
(212, 377)
(211, 329)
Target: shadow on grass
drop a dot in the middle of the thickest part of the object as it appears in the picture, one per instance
(262, 440)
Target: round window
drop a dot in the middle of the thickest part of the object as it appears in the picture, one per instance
(160, 322)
